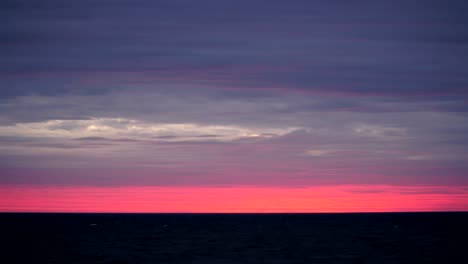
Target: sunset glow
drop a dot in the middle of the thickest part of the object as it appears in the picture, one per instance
(233, 106)
(344, 198)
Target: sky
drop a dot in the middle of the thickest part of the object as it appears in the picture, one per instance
(233, 106)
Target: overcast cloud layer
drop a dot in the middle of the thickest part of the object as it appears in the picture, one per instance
(217, 93)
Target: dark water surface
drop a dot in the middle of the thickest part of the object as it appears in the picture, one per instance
(235, 238)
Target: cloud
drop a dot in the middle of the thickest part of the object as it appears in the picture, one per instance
(405, 190)
(247, 93)
(378, 131)
(319, 48)
(302, 157)
(115, 128)
(317, 152)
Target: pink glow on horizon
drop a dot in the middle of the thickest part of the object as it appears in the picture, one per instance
(339, 198)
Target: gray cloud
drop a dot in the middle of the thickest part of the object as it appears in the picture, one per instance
(233, 92)
(370, 48)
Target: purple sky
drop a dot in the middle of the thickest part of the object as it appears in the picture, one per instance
(243, 93)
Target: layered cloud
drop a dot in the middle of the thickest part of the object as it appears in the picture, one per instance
(364, 48)
(95, 129)
(233, 93)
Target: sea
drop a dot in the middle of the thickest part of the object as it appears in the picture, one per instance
(234, 238)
